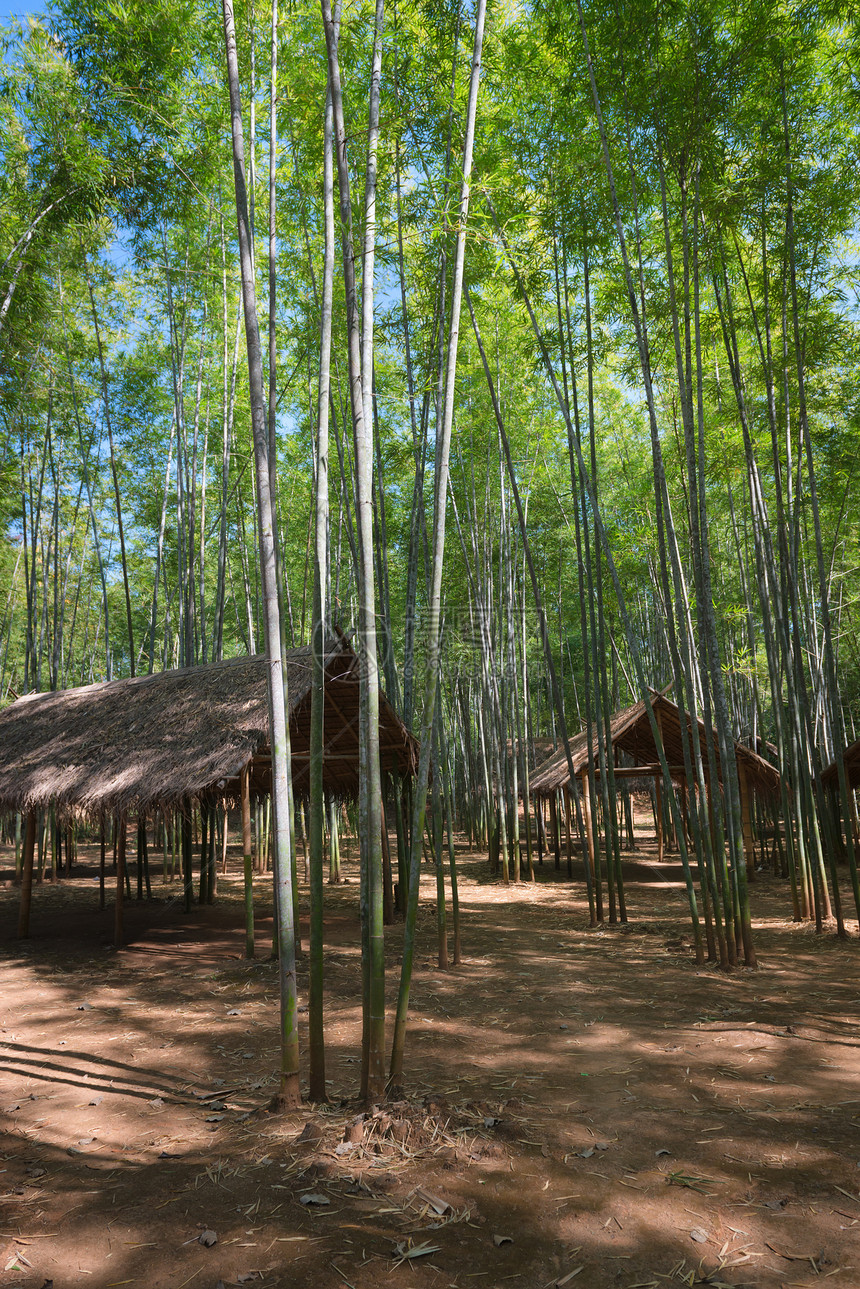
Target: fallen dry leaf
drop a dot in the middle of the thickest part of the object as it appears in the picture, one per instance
(406, 1252)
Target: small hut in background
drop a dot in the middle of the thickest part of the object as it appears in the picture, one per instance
(851, 757)
(169, 740)
(830, 780)
(630, 732)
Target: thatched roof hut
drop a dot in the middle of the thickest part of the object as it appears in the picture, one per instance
(150, 741)
(630, 731)
(830, 776)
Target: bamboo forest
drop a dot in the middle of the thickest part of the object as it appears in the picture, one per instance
(429, 645)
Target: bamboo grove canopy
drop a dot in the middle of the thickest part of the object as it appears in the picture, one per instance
(630, 732)
(150, 741)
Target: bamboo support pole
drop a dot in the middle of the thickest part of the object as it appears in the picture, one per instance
(589, 822)
(554, 829)
(118, 923)
(567, 837)
(658, 783)
(248, 862)
(102, 857)
(212, 877)
(746, 823)
(27, 877)
(187, 835)
(387, 879)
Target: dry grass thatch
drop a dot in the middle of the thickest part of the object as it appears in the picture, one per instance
(151, 741)
(830, 776)
(630, 731)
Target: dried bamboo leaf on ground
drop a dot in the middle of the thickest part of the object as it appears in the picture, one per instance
(407, 1252)
(691, 1182)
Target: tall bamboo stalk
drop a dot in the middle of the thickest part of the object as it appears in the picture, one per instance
(288, 1095)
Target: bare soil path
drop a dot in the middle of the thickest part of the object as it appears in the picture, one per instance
(586, 1108)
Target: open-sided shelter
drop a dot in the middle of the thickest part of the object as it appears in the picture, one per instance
(830, 779)
(851, 756)
(630, 732)
(163, 741)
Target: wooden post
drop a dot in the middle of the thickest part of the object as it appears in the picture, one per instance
(659, 789)
(400, 828)
(187, 831)
(855, 827)
(27, 877)
(139, 862)
(568, 843)
(52, 830)
(527, 823)
(589, 824)
(143, 853)
(553, 823)
(102, 856)
(709, 802)
(248, 861)
(203, 887)
(118, 928)
(212, 881)
(684, 809)
(387, 880)
(41, 847)
(301, 816)
(746, 822)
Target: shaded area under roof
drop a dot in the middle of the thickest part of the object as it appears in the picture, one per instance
(150, 741)
(830, 776)
(630, 731)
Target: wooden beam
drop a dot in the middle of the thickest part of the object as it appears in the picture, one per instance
(332, 756)
(649, 771)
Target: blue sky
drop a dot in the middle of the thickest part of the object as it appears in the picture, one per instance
(13, 10)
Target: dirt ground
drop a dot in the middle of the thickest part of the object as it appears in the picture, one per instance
(586, 1108)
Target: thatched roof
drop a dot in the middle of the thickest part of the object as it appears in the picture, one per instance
(140, 743)
(630, 730)
(830, 776)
